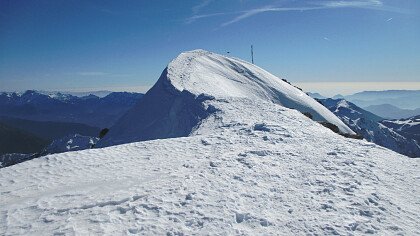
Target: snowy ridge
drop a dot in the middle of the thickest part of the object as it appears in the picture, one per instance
(201, 71)
(173, 106)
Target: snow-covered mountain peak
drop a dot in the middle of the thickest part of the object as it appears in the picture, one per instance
(201, 72)
(173, 107)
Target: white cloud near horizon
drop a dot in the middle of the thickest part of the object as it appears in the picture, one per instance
(309, 6)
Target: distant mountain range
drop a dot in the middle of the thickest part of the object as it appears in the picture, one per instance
(405, 99)
(32, 120)
(372, 128)
(90, 110)
(391, 104)
(99, 93)
(389, 111)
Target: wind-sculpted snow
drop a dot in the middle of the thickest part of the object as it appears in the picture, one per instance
(200, 72)
(244, 171)
(171, 108)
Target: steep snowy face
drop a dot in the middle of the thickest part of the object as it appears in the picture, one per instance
(174, 106)
(201, 71)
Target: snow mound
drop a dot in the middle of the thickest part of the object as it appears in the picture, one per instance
(173, 107)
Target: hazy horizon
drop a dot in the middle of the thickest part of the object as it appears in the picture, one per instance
(327, 89)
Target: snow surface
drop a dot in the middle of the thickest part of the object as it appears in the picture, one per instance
(243, 171)
(247, 166)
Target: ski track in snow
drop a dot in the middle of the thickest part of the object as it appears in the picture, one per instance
(252, 168)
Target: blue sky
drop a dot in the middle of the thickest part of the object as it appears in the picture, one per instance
(125, 45)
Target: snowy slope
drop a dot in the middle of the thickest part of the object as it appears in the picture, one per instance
(370, 127)
(172, 108)
(244, 171)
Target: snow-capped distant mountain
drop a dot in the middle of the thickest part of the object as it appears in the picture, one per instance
(370, 127)
(409, 127)
(74, 142)
(249, 166)
(90, 109)
(173, 106)
(100, 93)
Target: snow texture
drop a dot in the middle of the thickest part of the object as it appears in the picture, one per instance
(251, 167)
